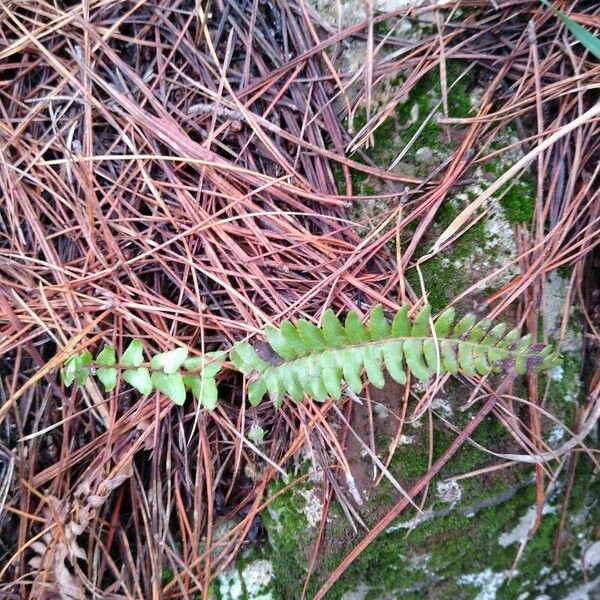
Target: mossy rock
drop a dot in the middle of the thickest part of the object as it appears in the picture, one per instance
(468, 537)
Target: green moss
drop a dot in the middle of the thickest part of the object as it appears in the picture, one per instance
(425, 95)
(519, 202)
(519, 196)
(438, 279)
(289, 539)
(435, 556)
(445, 275)
(565, 383)
(409, 461)
(382, 28)
(398, 129)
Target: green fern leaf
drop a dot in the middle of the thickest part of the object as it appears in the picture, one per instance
(274, 385)
(332, 374)
(413, 353)
(495, 334)
(392, 357)
(352, 363)
(401, 325)
(318, 361)
(478, 332)
(378, 325)
(134, 354)
(449, 362)
(139, 379)
(333, 330)
(171, 385)
(431, 351)
(108, 377)
(291, 337)
(311, 336)
(246, 360)
(495, 354)
(69, 370)
(279, 343)
(464, 325)
(256, 390)
(170, 361)
(208, 365)
(301, 370)
(76, 368)
(444, 322)
(106, 373)
(355, 330)
(204, 389)
(317, 388)
(510, 338)
(106, 357)
(372, 361)
(421, 326)
(290, 382)
(465, 358)
(480, 360)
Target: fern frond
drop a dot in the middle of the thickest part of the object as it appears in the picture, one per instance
(172, 373)
(316, 360)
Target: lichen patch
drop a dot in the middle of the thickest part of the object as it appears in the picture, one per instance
(591, 556)
(257, 577)
(488, 581)
(313, 509)
(520, 533)
(449, 491)
(350, 12)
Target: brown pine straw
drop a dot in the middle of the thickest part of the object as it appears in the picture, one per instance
(181, 172)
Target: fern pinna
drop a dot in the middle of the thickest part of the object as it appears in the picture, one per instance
(316, 360)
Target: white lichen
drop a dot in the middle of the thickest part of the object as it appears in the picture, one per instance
(556, 435)
(449, 491)
(251, 583)
(381, 410)
(520, 533)
(360, 593)
(557, 373)
(556, 294)
(442, 406)
(488, 581)
(556, 291)
(230, 585)
(313, 508)
(257, 577)
(275, 516)
(585, 591)
(591, 556)
(349, 12)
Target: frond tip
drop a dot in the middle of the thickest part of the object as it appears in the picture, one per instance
(317, 360)
(173, 373)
